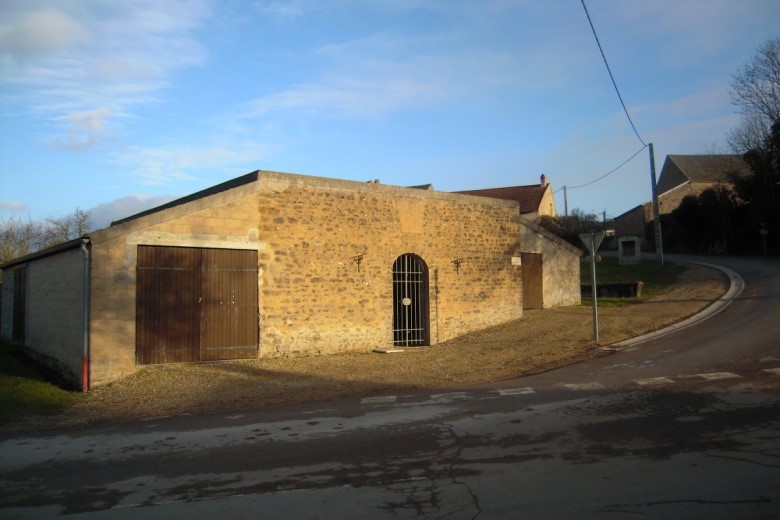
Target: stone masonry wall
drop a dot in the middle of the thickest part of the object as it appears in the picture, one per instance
(314, 295)
(317, 299)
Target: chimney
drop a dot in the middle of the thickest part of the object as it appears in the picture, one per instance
(543, 180)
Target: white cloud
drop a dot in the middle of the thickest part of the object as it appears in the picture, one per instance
(83, 129)
(115, 58)
(167, 164)
(279, 11)
(361, 86)
(12, 206)
(351, 97)
(103, 214)
(39, 32)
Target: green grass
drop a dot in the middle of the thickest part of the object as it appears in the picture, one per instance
(656, 278)
(26, 388)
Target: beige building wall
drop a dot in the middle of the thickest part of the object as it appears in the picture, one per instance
(547, 204)
(227, 220)
(325, 252)
(669, 201)
(633, 222)
(561, 265)
(54, 322)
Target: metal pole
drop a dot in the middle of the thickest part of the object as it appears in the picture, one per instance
(565, 202)
(593, 287)
(85, 304)
(659, 248)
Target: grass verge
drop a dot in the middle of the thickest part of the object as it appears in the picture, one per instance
(657, 278)
(26, 388)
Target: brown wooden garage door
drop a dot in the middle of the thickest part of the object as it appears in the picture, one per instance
(195, 304)
(533, 288)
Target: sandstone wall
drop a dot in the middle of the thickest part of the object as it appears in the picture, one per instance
(325, 252)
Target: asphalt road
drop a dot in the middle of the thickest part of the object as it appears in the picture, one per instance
(685, 425)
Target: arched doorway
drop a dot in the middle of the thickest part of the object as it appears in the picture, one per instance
(411, 321)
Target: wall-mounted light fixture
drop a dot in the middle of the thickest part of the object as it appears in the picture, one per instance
(457, 263)
(358, 259)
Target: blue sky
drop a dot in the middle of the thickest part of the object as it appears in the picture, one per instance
(115, 105)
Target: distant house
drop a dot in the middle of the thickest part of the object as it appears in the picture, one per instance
(535, 200)
(684, 175)
(681, 176)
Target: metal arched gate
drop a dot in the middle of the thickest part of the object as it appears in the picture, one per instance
(410, 302)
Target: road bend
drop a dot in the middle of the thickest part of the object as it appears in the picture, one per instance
(683, 425)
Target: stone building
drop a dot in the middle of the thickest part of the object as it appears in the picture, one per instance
(681, 176)
(550, 265)
(268, 264)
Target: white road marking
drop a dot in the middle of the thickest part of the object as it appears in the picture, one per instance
(517, 391)
(382, 399)
(775, 371)
(768, 359)
(449, 396)
(713, 376)
(654, 381)
(595, 385)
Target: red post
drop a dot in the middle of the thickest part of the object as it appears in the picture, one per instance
(84, 373)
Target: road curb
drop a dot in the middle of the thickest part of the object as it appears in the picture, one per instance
(736, 286)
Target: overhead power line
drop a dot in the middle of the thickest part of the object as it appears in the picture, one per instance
(606, 174)
(614, 84)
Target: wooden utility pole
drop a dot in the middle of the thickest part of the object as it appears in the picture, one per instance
(565, 202)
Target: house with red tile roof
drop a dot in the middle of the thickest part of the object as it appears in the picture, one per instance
(535, 200)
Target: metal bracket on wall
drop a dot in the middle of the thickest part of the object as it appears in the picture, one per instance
(358, 259)
(457, 263)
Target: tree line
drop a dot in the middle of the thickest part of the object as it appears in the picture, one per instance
(20, 237)
(742, 216)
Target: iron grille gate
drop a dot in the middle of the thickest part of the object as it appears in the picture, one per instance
(410, 301)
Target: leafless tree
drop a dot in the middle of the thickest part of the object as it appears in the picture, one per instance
(62, 229)
(755, 89)
(18, 238)
(751, 134)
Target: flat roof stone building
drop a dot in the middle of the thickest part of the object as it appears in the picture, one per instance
(268, 264)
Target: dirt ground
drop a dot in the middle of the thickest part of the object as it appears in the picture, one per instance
(541, 340)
